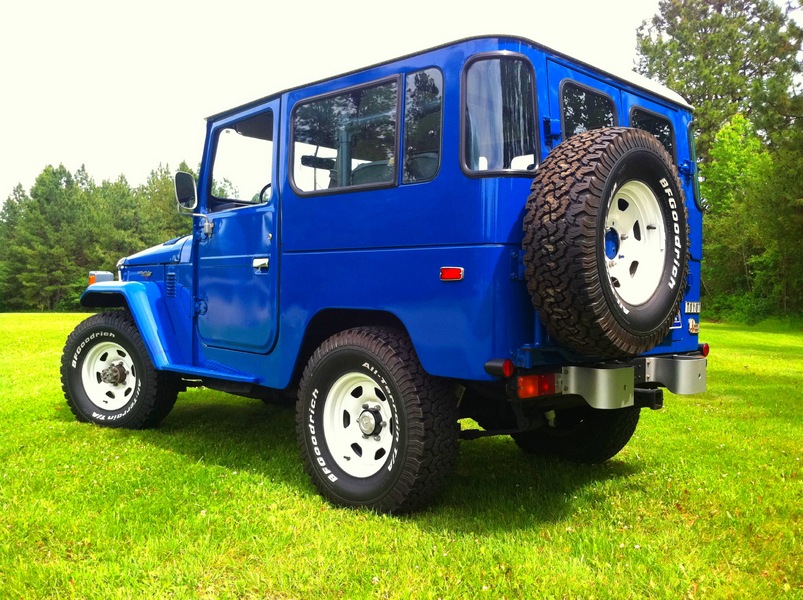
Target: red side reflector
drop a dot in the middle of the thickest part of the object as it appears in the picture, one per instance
(532, 386)
(704, 349)
(508, 367)
(452, 273)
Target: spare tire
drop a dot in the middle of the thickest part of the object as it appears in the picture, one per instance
(606, 242)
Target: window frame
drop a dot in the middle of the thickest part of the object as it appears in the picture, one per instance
(291, 161)
(569, 81)
(496, 55)
(699, 201)
(403, 123)
(674, 152)
(216, 203)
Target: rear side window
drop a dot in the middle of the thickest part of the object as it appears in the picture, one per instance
(583, 109)
(346, 140)
(423, 108)
(656, 125)
(499, 115)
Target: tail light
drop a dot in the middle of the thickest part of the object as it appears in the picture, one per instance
(532, 386)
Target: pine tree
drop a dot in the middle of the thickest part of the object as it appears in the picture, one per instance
(725, 57)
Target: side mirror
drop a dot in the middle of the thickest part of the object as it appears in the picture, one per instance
(186, 194)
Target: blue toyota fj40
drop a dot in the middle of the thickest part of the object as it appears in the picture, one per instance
(486, 229)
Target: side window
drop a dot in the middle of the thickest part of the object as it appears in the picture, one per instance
(656, 125)
(346, 140)
(583, 109)
(499, 115)
(423, 109)
(243, 158)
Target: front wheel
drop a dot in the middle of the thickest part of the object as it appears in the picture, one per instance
(374, 429)
(108, 378)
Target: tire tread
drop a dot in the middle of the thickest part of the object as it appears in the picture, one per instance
(431, 417)
(560, 230)
(160, 389)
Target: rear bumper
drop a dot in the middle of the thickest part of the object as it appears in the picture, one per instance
(680, 374)
(616, 386)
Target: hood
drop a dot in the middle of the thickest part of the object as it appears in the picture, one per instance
(171, 251)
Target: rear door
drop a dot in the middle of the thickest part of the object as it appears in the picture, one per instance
(577, 103)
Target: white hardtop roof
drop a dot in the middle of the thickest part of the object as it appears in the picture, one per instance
(636, 79)
(366, 58)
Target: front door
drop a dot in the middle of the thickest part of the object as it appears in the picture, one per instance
(237, 294)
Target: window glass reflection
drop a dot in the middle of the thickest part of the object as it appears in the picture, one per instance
(584, 110)
(658, 126)
(346, 140)
(500, 115)
(422, 125)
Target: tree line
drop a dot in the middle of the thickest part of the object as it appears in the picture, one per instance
(738, 62)
(68, 225)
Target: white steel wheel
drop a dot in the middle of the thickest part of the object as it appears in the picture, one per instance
(635, 242)
(109, 376)
(374, 429)
(359, 425)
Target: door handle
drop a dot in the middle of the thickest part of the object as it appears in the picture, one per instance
(261, 264)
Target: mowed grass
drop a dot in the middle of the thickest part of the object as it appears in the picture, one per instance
(705, 502)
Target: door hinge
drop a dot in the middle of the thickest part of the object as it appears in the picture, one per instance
(687, 169)
(201, 306)
(517, 269)
(552, 131)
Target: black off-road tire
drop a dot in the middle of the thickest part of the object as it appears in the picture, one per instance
(109, 379)
(606, 242)
(582, 434)
(374, 429)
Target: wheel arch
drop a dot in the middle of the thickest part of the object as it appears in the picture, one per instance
(145, 303)
(328, 322)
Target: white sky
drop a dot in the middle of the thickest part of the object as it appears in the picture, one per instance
(124, 86)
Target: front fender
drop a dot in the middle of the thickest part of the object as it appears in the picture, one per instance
(145, 302)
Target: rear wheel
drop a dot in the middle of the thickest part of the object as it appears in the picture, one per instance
(582, 434)
(108, 378)
(374, 429)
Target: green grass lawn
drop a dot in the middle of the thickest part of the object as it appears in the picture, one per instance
(705, 502)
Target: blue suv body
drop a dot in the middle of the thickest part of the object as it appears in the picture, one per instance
(487, 229)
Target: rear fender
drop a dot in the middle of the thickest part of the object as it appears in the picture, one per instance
(145, 302)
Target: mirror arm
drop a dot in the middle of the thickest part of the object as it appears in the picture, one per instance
(208, 226)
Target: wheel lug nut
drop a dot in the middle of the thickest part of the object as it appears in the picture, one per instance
(377, 438)
(365, 406)
(383, 424)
